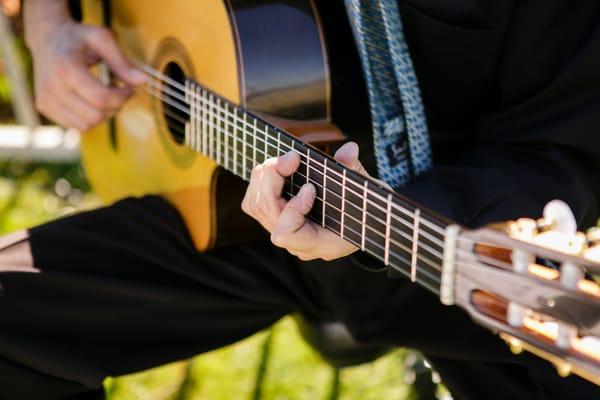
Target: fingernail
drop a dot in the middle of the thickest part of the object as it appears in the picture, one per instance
(307, 190)
(136, 76)
(353, 149)
(289, 155)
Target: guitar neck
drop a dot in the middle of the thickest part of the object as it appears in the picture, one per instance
(357, 208)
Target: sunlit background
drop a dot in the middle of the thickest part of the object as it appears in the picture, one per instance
(41, 179)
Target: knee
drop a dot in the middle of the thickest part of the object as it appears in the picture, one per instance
(15, 253)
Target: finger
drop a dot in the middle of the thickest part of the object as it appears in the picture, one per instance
(102, 41)
(94, 92)
(272, 180)
(304, 256)
(291, 231)
(348, 155)
(88, 115)
(55, 111)
(263, 199)
(288, 163)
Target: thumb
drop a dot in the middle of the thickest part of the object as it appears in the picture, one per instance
(348, 155)
(103, 42)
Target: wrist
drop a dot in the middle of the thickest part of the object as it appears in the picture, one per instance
(42, 19)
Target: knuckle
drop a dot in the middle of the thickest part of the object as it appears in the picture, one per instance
(278, 239)
(95, 118)
(102, 98)
(62, 68)
(100, 33)
(270, 164)
(305, 257)
(246, 206)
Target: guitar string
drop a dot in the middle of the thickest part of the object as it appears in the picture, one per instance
(239, 140)
(212, 106)
(423, 246)
(336, 208)
(333, 206)
(165, 79)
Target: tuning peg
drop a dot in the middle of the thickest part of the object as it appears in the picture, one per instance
(515, 314)
(515, 345)
(565, 335)
(560, 217)
(523, 229)
(563, 368)
(593, 244)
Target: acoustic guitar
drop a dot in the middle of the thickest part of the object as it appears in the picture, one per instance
(232, 83)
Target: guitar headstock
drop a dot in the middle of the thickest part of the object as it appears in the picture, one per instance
(532, 282)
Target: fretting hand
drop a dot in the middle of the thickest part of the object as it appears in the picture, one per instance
(63, 52)
(286, 220)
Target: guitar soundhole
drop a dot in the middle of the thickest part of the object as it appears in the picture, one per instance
(175, 109)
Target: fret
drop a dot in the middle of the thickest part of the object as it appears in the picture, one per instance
(193, 120)
(254, 132)
(343, 203)
(292, 180)
(226, 137)
(278, 143)
(415, 246)
(324, 193)
(213, 127)
(307, 164)
(387, 230)
(234, 136)
(244, 145)
(197, 120)
(206, 123)
(266, 143)
(219, 132)
(201, 96)
(364, 216)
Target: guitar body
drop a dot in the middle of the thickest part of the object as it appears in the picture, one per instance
(267, 56)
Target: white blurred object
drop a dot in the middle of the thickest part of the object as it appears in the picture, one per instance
(44, 143)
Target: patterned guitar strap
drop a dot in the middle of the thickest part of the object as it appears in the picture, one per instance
(401, 138)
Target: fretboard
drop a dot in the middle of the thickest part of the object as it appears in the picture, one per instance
(380, 222)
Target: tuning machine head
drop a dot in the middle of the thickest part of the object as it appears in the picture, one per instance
(592, 251)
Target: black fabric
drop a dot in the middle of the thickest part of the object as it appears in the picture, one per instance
(122, 289)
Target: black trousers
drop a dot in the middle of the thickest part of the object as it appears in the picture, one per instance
(121, 289)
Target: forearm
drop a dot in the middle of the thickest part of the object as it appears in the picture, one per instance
(42, 17)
